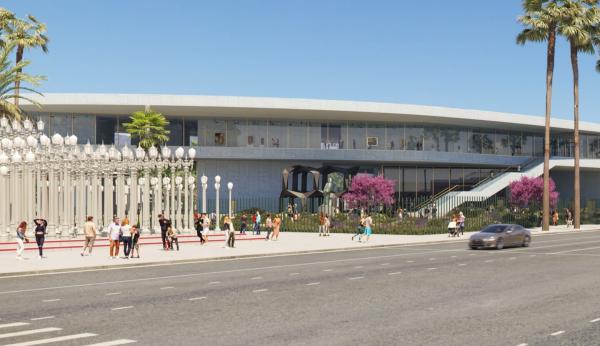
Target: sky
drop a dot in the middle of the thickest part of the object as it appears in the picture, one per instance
(459, 53)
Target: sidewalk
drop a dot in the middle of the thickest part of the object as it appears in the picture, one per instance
(65, 259)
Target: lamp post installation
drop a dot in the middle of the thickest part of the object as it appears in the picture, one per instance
(230, 187)
(217, 188)
(204, 181)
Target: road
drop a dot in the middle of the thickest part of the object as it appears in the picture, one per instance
(436, 294)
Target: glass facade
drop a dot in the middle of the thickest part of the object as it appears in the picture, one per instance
(325, 135)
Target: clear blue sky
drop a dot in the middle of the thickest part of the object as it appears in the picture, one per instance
(458, 53)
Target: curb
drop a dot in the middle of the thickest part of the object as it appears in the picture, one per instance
(236, 257)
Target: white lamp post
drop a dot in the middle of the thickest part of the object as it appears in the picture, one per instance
(217, 188)
(204, 181)
(230, 187)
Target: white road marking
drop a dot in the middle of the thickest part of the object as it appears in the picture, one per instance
(197, 298)
(167, 288)
(327, 270)
(489, 261)
(523, 344)
(431, 268)
(472, 254)
(114, 342)
(52, 340)
(410, 261)
(50, 300)
(462, 264)
(531, 255)
(356, 278)
(29, 332)
(432, 259)
(292, 274)
(385, 264)
(16, 324)
(557, 333)
(358, 267)
(122, 308)
(214, 282)
(42, 318)
(395, 273)
(313, 284)
(595, 320)
(574, 250)
(260, 290)
(257, 278)
(512, 258)
(453, 256)
(113, 294)
(102, 283)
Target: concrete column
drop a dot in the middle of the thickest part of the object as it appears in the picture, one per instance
(50, 201)
(81, 204)
(3, 207)
(146, 201)
(158, 203)
(186, 200)
(120, 193)
(133, 197)
(107, 193)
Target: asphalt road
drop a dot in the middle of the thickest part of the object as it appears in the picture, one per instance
(436, 294)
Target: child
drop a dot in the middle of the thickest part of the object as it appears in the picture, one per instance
(172, 235)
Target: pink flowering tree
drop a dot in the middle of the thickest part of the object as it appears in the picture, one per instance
(367, 191)
(528, 192)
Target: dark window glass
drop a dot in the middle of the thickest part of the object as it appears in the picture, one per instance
(409, 182)
(395, 137)
(190, 131)
(413, 137)
(83, 127)
(433, 141)
(456, 178)
(471, 177)
(176, 132)
(106, 126)
(441, 179)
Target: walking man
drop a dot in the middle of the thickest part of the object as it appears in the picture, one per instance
(269, 226)
(89, 229)
(257, 223)
(40, 234)
(164, 227)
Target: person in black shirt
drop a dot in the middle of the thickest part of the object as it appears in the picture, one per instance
(164, 226)
(40, 234)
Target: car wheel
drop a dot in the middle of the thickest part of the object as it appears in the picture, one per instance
(473, 247)
(526, 241)
(499, 244)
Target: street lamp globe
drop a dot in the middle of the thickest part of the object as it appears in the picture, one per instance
(45, 141)
(142, 181)
(165, 152)
(230, 185)
(179, 153)
(204, 179)
(3, 158)
(218, 179)
(4, 122)
(166, 180)
(217, 186)
(7, 143)
(31, 141)
(140, 154)
(40, 125)
(73, 140)
(153, 181)
(30, 156)
(27, 124)
(153, 152)
(3, 170)
(191, 153)
(191, 180)
(57, 139)
(178, 180)
(16, 157)
(19, 142)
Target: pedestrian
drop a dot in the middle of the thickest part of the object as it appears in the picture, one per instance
(21, 239)
(243, 224)
(276, 227)
(368, 222)
(321, 224)
(326, 225)
(569, 217)
(40, 234)
(114, 233)
(164, 227)
(257, 223)
(268, 226)
(461, 223)
(89, 230)
(198, 227)
(205, 226)
(229, 232)
(126, 237)
(555, 217)
(135, 238)
(172, 238)
(360, 229)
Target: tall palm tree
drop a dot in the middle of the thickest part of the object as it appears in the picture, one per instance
(26, 34)
(5, 17)
(540, 20)
(149, 127)
(8, 76)
(577, 25)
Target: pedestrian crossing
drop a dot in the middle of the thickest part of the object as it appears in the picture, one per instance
(23, 334)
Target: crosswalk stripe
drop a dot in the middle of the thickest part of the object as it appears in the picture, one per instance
(114, 342)
(16, 324)
(29, 332)
(51, 340)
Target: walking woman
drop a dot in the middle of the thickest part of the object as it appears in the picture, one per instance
(276, 227)
(126, 237)
(114, 233)
(135, 246)
(230, 232)
(322, 225)
(40, 234)
(21, 239)
(326, 225)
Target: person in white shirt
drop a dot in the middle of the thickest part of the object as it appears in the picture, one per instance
(367, 223)
(114, 233)
(126, 237)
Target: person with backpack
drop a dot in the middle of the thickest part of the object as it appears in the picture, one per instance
(164, 227)
(40, 234)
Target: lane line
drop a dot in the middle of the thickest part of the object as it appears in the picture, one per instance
(51, 340)
(197, 298)
(410, 261)
(557, 333)
(313, 283)
(385, 264)
(29, 332)
(395, 273)
(431, 268)
(167, 288)
(595, 320)
(489, 261)
(358, 267)
(453, 256)
(356, 278)
(214, 282)
(15, 324)
(574, 250)
(42, 318)
(462, 264)
(257, 278)
(432, 259)
(260, 290)
(292, 274)
(327, 270)
(512, 258)
(122, 308)
(113, 294)
(523, 344)
(50, 300)
(114, 342)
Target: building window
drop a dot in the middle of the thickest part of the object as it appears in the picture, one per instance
(175, 128)
(106, 126)
(190, 133)
(84, 128)
(357, 135)
(278, 134)
(298, 134)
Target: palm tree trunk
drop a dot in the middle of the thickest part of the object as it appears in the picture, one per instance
(18, 59)
(549, 77)
(576, 182)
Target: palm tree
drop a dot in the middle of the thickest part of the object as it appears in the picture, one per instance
(540, 21)
(8, 76)
(5, 17)
(577, 25)
(26, 34)
(149, 127)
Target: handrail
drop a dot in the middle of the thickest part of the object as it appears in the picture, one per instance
(490, 177)
(436, 196)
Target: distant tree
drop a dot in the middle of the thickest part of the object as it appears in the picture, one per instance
(367, 191)
(528, 192)
(149, 127)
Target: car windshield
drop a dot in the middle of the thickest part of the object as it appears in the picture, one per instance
(493, 229)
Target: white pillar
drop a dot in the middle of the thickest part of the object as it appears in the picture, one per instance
(133, 196)
(186, 204)
(146, 202)
(3, 207)
(108, 207)
(217, 188)
(120, 193)
(51, 200)
(158, 204)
